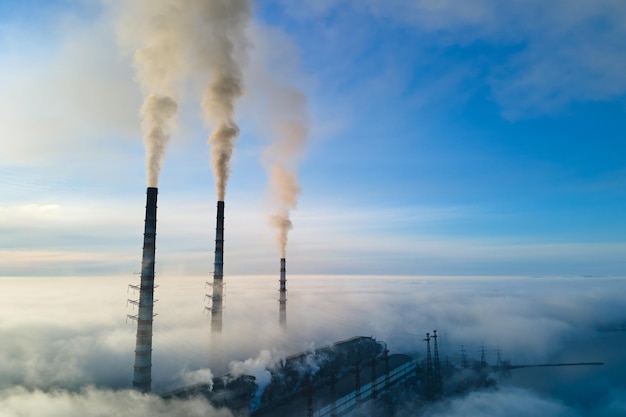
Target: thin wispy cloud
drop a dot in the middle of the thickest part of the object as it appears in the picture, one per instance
(549, 55)
(73, 98)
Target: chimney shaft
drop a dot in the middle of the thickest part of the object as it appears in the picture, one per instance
(282, 301)
(219, 242)
(283, 276)
(142, 378)
(218, 274)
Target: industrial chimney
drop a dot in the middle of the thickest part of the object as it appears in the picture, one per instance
(282, 310)
(142, 378)
(218, 274)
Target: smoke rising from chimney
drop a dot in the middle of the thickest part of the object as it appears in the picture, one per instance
(157, 32)
(285, 189)
(280, 109)
(258, 367)
(171, 37)
(289, 139)
(222, 43)
(157, 113)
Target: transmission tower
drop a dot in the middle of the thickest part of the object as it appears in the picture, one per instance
(429, 370)
(437, 383)
(483, 359)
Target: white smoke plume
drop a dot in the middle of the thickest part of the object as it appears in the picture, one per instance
(290, 133)
(157, 31)
(285, 189)
(157, 112)
(168, 39)
(221, 48)
(277, 103)
(259, 368)
(199, 376)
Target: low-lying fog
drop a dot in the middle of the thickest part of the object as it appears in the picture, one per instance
(67, 348)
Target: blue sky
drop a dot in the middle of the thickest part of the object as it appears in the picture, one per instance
(445, 138)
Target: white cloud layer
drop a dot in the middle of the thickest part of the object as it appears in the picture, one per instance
(510, 402)
(90, 402)
(69, 333)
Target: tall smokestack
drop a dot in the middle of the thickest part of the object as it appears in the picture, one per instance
(142, 378)
(282, 311)
(218, 274)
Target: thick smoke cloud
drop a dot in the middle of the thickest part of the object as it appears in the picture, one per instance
(199, 376)
(259, 368)
(221, 46)
(172, 39)
(157, 32)
(156, 112)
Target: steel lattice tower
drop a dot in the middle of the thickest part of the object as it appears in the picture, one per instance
(429, 369)
(437, 383)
